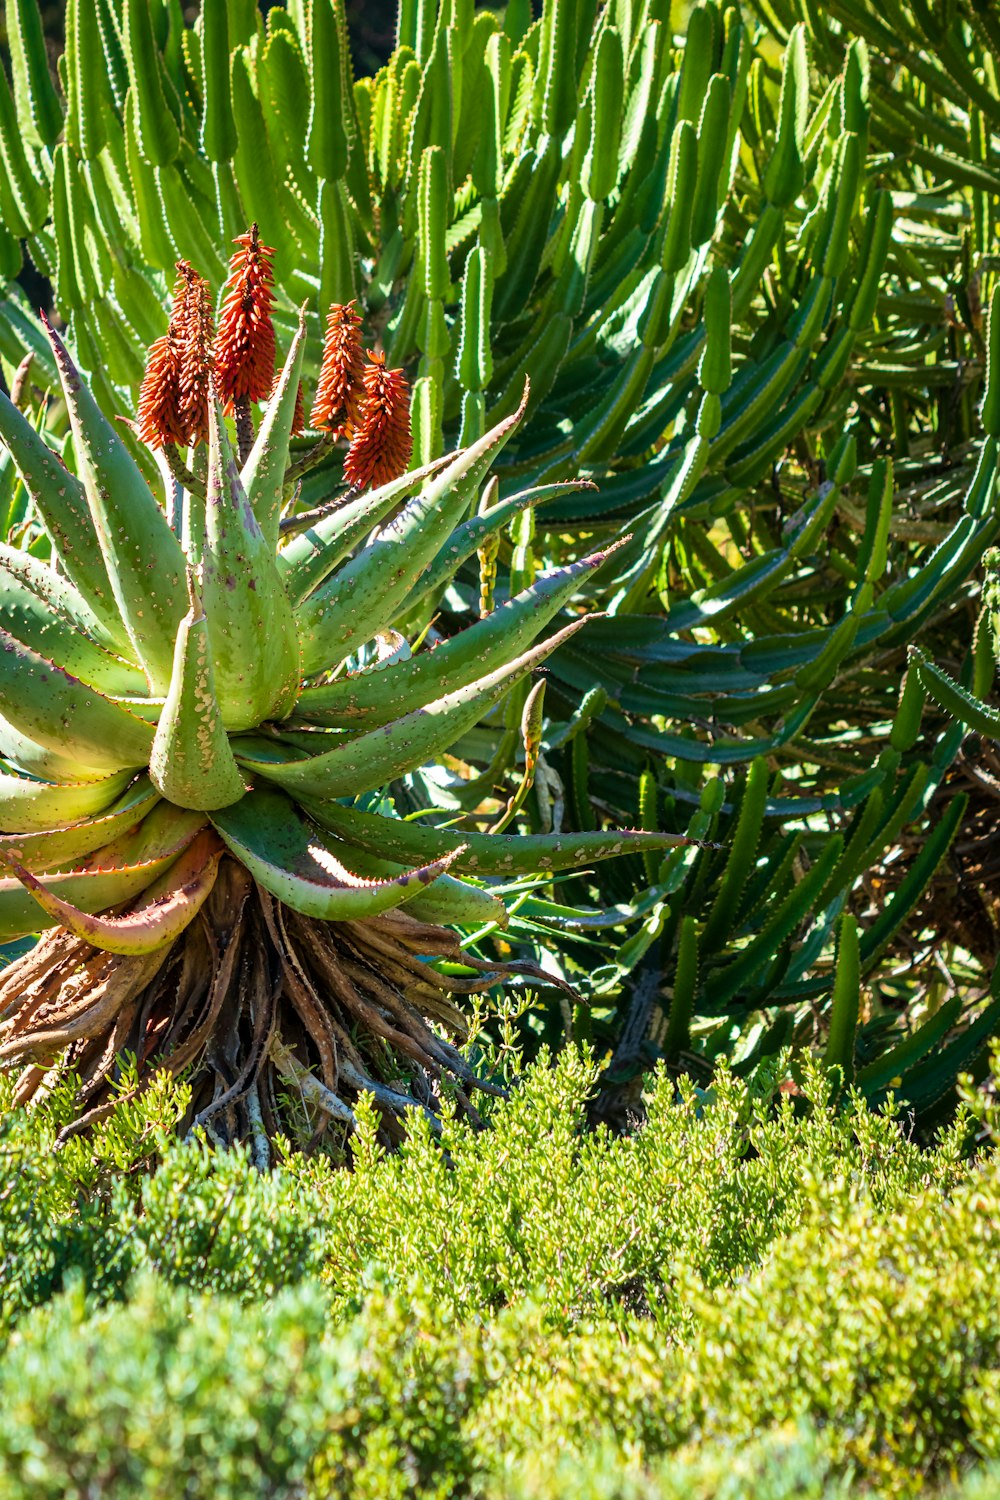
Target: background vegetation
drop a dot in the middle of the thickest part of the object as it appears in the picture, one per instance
(746, 255)
(743, 1297)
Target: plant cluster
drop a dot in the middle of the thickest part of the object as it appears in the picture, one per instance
(746, 270)
(742, 1295)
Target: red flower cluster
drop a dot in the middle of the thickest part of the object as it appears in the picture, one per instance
(368, 405)
(196, 364)
(244, 348)
(338, 395)
(173, 397)
(159, 415)
(382, 443)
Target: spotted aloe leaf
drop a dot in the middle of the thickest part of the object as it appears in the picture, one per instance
(263, 474)
(254, 645)
(56, 848)
(118, 873)
(29, 806)
(365, 593)
(131, 530)
(44, 611)
(167, 906)
(191, 761)
(291, 860)
(61, 503)
(507, 854)
(381, 754)
(64, 715)
(371, 699)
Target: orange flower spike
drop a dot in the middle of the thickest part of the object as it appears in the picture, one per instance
(196, 337)
(244, 348)
(339, 394)
(159, 418)
(382, 443)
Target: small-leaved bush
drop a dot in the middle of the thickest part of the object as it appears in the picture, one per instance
(753, 1293)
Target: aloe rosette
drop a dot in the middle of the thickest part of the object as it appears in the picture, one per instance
(187, 732)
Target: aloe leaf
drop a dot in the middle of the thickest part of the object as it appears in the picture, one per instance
(143, 557)
(448, 901)
(289, 859)
(29, 807)
(26, 755)
(129, 866)
(376, 696)
(371, 759)
(263, 475)
(255, 654)
(483, 853)
(362, 598)
(61, 503)
(45, 612)
(471, 534)
(312, 555)
(63, 715)
(55, 846)
(191, 762)
(168, 907)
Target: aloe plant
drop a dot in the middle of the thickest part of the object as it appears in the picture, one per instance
(191, 746)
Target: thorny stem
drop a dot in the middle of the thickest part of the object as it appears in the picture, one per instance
(244, 427)
(315, 455)
(180, 471)
(289, 525)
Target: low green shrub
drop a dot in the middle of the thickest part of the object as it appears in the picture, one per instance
(749, 1295)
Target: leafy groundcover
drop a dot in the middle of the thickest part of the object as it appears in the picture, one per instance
(746, 1295)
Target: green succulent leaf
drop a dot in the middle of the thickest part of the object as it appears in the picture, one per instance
(255, 650)
(44, 702)
(190, 760)
(380, 755)
(484, 853)
(291, 860)
(57, 848)
(130, 528)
